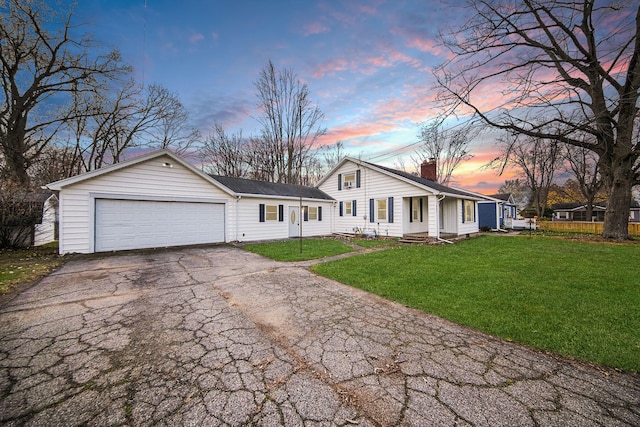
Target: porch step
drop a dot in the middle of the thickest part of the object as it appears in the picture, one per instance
(417, 239)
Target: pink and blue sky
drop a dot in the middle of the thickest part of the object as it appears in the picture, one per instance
(368, 64)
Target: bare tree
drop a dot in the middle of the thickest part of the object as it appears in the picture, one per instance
(537, 160)
(332, 155)
(291, 123)
(584, 165)
(42, 63)
(448, 146)
(577, 63)
(226, 154)
(519, 190)
(124, 116)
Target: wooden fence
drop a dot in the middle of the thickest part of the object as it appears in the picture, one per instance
(582, 227)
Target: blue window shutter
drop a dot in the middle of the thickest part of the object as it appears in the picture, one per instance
(420, 209)
(281, 213)
(306, 213)
(261, 212)
(340, 209)
(339, 181)
(353, 208)
(462, 201)
(358, 178)
(372, 217)
(390, 208)
(319, 213)
(410, 209)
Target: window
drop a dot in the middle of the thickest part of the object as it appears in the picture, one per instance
(415, 211)
(313, 213)
(271, 212)
(469, 214)
(349, 180)
(348, 208)
(381, 206)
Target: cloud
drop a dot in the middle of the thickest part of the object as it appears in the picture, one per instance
(195, 38)
(229, 111)
(363, 64)
(425, 44)
(313, 28)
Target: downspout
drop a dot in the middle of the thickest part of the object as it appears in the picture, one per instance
(238, 218)
(438, 222)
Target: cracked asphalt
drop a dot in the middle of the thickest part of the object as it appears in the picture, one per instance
(219, 336)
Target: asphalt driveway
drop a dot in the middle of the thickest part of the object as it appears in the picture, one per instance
(219, 336)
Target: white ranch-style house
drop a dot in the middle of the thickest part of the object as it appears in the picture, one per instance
(159, 200)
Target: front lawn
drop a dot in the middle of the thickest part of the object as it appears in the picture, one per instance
(19, 266)
(289, 250)
(578, 299)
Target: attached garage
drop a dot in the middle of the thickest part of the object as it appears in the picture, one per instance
(137, 224)
(159, 200)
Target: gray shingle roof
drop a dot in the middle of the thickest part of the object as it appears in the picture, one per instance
(501, 196)
(251, 186)
(423, 181)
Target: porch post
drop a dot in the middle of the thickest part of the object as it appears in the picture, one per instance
(432, 216)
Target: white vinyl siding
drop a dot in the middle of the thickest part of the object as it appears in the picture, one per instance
(471, 211)
(251, 229)
(373, 185)
(148, 179)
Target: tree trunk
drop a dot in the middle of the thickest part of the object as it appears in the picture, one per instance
(16, 163)
(589, 209)
(619, 182)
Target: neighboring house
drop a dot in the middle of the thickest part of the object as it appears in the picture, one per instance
(46, 231)
(28, 218)
(576, 211)
(159, 200)
(494, 209)
(374, 198)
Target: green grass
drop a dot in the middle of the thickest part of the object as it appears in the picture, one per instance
(578, 299)
(289, 250)
(18, 266)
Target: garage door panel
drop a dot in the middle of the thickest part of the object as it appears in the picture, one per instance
(135, 224)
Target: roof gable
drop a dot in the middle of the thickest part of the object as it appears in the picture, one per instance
(424, 183)
(59, 185)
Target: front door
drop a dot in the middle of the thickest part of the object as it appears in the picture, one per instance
(294, 221)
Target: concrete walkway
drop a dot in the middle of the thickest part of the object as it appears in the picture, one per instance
(218, 336)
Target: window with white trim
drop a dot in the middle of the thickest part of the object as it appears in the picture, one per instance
(469, 210)
(271, 212)
(349, 180)
(348, 208)
(313, 213)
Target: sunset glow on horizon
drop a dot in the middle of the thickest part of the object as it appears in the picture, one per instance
(368, 65)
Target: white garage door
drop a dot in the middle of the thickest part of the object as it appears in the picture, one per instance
(136, 224)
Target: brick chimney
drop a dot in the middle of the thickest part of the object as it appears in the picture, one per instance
(428, 169)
